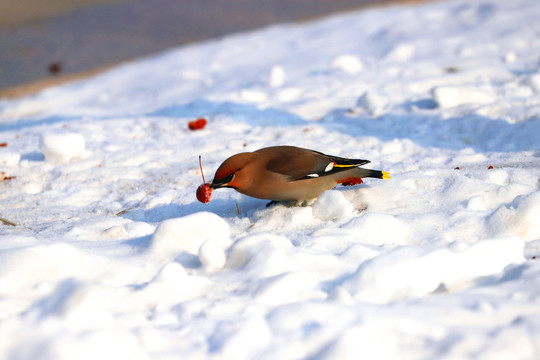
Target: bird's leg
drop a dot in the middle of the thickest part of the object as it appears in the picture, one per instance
(287, 203)
(273, 202)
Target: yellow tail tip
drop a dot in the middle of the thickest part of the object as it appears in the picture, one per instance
(385, 175)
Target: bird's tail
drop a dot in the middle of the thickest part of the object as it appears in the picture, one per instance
(377, 174)
(362, 173)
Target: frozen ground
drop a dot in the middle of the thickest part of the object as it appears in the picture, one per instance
(112, 256)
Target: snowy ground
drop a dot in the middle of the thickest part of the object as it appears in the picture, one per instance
(113, 257)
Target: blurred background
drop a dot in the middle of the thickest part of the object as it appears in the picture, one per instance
(45, 42)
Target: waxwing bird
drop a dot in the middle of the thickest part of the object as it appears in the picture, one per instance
(289, 173)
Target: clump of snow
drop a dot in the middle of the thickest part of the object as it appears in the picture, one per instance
(534, 82)
(402, 52)
(348, 63)
(510, 57)
(520, 217)
(372, 103)
(450, 96)
(286, 288)
(277, 76)
(62, 147)
(263, 255)
(331, 205)
(477, 203)
(212, 254)
(497, 176)
(378, 229)
(253, 95)
(188, 233)
(9, 158)
(172, 283)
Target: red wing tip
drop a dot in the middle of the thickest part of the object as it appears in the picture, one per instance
(351, 181)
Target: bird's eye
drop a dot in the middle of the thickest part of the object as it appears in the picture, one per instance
(228, 179)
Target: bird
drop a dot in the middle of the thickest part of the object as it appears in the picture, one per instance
(289, 173)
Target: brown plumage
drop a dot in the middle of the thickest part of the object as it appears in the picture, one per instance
(289, 173)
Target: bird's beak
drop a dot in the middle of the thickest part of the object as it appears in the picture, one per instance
(219, 184)
(226, 182)
(216, 185)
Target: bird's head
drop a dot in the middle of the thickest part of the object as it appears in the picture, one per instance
(232, 173)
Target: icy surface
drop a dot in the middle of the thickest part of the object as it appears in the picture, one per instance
(112, 256)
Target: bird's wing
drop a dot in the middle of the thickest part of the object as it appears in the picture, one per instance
(300, 164)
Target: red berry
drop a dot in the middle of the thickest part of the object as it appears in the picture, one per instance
(204, 193)
(197, 124)
(490, 167)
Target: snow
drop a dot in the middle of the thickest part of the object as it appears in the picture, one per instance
(277, 76)
(331, 205)
(188, 233)
(451, 96)
(62, 147)
(112, 256)
(348, 63)
(212, 255)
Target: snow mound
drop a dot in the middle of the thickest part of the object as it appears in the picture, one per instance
(9, 158)
(277, 76)
(286, 288)
(521, 217)
(109, 343)
(78, 304)
(263, 255)
(62, 147)
(496, 176)
(23, 268)
(412, 272)
(188, 233)
(372, 103)
(348, 63)
(212, 255)
(534, 82)
(373, 340)
(401, 53)
(331, 205)
(451, 96)
(378, 229)
(172, 285)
